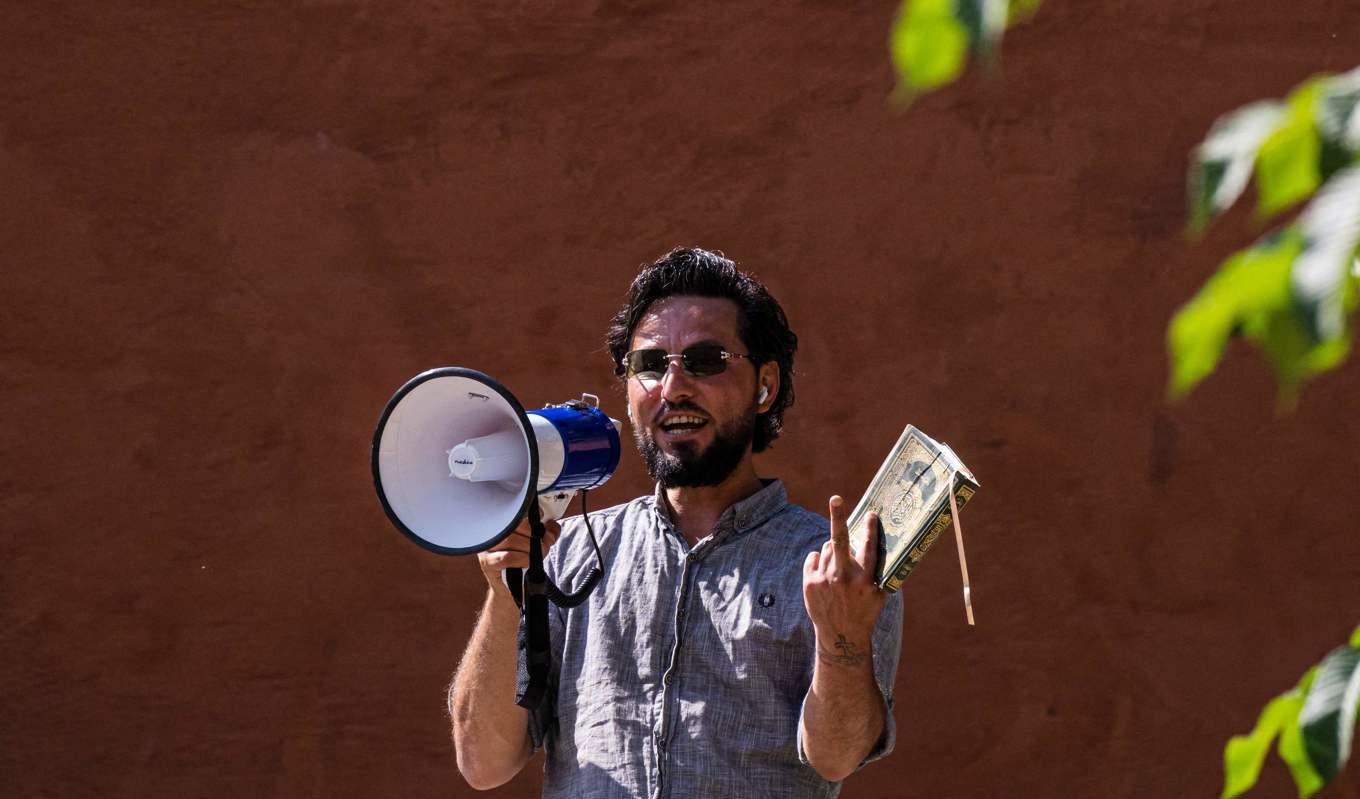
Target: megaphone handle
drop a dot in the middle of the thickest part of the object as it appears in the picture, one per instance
(514, 580)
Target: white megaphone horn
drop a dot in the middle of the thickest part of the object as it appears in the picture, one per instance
(457, 461)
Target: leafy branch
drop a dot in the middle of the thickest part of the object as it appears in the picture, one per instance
(1314, 721)
(1293, 292)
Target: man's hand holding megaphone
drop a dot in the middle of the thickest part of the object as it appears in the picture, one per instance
(513, 553)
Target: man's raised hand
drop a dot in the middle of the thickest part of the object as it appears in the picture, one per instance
(839, 591)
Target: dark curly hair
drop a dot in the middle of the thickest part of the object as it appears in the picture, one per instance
(760, 321)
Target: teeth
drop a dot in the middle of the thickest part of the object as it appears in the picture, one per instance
(674, 420)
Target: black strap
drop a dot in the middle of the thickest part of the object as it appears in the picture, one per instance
(514, 580)
(536, 591)
(533, 636)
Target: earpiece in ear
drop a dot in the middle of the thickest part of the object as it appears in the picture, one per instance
(763, 395)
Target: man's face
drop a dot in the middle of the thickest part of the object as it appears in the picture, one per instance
(693, 431)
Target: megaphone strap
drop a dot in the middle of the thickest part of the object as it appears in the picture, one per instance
(534, 640)
(534, 644)
(533, 662)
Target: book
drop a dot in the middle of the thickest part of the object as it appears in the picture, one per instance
(910, 494)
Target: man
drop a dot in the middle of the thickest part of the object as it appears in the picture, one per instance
(736, 646)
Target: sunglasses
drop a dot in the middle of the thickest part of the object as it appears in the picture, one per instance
(701, 360)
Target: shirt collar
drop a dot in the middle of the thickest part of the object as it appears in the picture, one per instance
(741, 517)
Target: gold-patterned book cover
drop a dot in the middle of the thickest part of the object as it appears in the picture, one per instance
(910, 495)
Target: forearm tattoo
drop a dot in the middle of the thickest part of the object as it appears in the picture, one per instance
(846, 654)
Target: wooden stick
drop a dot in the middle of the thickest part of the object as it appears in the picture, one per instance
(963, 559)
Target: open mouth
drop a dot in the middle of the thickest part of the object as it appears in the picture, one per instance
(682, 423)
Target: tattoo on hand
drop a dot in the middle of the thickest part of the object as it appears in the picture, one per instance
(846, 654)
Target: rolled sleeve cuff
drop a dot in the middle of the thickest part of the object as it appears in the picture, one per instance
(882, 748)
(887, 643)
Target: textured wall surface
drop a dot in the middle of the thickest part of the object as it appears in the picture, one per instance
(231, 230)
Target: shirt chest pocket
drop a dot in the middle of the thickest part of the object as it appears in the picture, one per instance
(760, 633)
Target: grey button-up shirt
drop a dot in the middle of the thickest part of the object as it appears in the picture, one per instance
(684, 674)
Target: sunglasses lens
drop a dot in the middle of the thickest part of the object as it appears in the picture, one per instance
(647, 365)
(704, 360)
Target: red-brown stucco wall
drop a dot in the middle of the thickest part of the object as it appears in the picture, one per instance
(230, 231)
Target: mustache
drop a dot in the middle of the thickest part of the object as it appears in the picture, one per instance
(668, 407)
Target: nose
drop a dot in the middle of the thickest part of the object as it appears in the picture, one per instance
(676, 383)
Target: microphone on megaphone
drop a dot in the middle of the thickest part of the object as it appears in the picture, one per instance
(458, 464)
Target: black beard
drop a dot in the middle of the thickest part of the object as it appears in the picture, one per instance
(689, 468)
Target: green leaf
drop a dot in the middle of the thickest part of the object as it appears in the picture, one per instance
(1196, 338)
(1221, 166)
(929, 45)
(1355, 638)
(1245, 754)
(1328, 717)
(1251, 286)
(1287, 166)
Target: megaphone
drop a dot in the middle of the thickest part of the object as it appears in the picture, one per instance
(457, 461)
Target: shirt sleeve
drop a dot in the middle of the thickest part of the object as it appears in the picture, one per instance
(887, 644)
(887, 652)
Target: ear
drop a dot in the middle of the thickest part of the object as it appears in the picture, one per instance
(767, 380)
